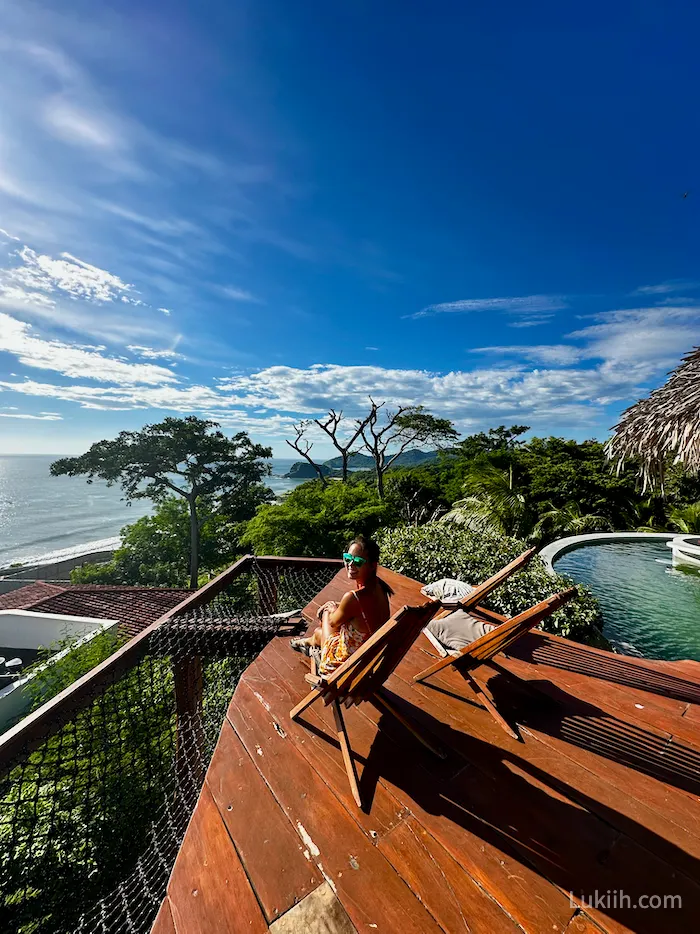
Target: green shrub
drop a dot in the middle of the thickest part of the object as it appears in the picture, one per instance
(432, 551)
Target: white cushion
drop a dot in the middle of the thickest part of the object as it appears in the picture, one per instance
(447, 590)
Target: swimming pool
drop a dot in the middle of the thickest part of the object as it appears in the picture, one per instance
(649, 608)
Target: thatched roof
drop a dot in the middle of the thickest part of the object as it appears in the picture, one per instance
(666, 423)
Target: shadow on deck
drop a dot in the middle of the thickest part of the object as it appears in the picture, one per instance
(598, 797)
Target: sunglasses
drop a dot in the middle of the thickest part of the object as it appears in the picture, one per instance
(354, 559)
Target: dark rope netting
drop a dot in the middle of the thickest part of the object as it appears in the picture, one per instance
(92, 818)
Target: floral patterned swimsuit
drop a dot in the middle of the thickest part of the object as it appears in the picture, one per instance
(340, 646)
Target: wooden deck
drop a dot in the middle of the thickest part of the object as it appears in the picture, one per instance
(600, 793)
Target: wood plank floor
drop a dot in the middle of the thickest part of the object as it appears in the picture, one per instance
(600, 795)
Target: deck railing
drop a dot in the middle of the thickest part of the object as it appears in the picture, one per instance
(97, 785)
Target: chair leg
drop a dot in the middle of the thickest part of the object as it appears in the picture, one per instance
(437, 666)
(484, 696)
(310, 699)
(347, 753)
(380, 701)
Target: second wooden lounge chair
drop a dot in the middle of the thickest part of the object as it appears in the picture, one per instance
(483, 650)
(361, 678)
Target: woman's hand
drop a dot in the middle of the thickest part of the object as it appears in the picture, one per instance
(329, 605)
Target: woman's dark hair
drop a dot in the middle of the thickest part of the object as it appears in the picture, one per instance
(371, 549)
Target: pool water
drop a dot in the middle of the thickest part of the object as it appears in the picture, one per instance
(649, 608)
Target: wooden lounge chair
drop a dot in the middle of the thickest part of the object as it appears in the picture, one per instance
(483, 650)
(362, 676)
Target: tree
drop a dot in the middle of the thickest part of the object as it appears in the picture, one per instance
(492, 503)
(498, 441)
(318, 521)
(331, 427)
(416, 495)
(558, 521)
(184, 456)
(408, 425)
(303, 446)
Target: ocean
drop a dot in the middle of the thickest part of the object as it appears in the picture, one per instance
(44, 517)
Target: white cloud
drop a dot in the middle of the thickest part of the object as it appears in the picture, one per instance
(166, 311)
(68, 275)
(664, 288)
(523, 305)
(643, 340)
(468, 397)
(148, 353)
(71, 360)
(44, 417)
(239, 295)
(80, 127)
(167, 226)
(646, 339)
(531, 321)
(551, 354)
(8, 236)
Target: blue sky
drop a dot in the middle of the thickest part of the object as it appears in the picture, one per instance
(253, 211)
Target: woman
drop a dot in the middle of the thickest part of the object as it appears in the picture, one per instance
(346, 625)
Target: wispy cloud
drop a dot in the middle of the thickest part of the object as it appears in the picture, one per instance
(643, 341)
(148, 353)
(531, 321)
(239, 295)
(44, 417)
(665, 288)
(74, 361)
(549, 354)
(522, 305)
(7, 236)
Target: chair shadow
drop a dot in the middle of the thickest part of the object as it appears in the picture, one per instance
(543, 706)
(570, 656)
(500, 799)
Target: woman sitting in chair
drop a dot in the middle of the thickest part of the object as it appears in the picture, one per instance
(346, 625)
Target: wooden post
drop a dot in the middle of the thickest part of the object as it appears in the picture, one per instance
(189, 750)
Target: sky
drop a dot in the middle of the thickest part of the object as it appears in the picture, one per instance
(254, 211)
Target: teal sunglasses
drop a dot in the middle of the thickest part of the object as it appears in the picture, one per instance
(354, 559)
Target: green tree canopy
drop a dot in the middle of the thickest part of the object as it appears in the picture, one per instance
(184, 456)
(318, 521)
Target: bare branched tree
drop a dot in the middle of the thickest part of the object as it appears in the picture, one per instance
(409, 425)
(331, 427)
(303, 446)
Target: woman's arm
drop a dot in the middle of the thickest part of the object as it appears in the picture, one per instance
(343, 613)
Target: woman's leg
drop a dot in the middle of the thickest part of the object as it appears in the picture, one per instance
(304, 644)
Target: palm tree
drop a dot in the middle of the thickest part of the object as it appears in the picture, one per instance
(492, 504)
(686, 519)
(555, 522)
(646, 515)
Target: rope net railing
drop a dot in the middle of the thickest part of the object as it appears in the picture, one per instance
(93, 813)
